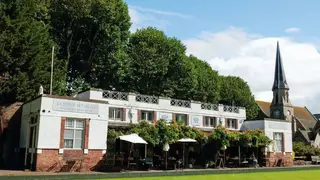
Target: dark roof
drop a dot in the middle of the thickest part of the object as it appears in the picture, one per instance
(280, 81)
(317, 116)
(305, 117)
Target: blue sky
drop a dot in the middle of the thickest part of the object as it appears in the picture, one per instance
(238, 37)
(268, 17)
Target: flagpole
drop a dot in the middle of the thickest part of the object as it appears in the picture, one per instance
(51, 76)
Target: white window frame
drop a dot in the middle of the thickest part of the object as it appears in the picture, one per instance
(232, 122)
(208, 121)
(179, 117)
(112, 113)
(74, 128)
(278, 141)
(148, 114)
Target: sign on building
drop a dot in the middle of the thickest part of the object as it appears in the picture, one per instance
(75, 106)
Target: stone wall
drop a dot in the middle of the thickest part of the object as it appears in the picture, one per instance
(279, 159)
(50, 160)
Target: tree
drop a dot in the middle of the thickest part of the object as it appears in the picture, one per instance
(207, 81)
(158, 65)
(92, 35)
(147, 131)
(25, 52)
(235, 91)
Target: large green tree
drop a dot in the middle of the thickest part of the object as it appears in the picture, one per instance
(235, 91)
(206, 81)
(158, 65)
(25, 52)
(92, 35)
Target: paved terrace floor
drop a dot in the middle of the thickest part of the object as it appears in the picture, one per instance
(26, 175)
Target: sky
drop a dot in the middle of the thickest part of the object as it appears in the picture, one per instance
(239, 38)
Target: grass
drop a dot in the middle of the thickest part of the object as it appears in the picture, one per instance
(287, 175)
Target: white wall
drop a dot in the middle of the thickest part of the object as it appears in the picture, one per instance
(270, 127)
(316, 142)
(51, 111)
(164, 106)
(29, 109)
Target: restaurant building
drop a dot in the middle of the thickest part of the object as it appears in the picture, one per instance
(63, 133)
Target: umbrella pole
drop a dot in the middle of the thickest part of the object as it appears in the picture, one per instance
(166, 160)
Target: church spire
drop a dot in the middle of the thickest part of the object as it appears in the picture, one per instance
(280, 81)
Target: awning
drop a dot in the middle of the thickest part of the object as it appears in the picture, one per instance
(133, 138)
(186, 140)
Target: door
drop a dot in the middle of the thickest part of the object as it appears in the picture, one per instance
(30, 159)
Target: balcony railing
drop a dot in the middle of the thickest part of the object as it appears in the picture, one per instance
(207, 106)
(115, 95)
(147, 99)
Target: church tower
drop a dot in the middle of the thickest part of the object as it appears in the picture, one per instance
(281, 107)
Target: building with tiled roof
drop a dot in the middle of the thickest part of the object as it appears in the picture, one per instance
(303, 122)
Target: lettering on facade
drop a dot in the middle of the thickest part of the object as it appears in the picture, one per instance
(166, 116)
(75, 107)
(277, 125)
(196, 120)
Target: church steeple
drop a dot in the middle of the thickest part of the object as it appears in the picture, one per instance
(280, 81)
(280, 107)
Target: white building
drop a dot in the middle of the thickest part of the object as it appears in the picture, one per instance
(126, 108)
(63, 131)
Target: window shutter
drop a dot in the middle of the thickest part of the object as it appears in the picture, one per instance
(283, 143)
(187, 122)
(215, 122)
(236, 124)
(203, 121)
(173, 117)
(226, 123)
(139, 115)
(124, 114)
(155, 116)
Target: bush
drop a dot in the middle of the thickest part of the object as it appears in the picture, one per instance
(302, 149)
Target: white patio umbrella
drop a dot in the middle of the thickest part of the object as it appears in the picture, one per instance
(134, 139)
(183, 141)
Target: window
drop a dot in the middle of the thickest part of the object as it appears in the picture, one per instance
(115, 114)
(278, 138)
(231, 123)
(73, 133)
(210, 122)
(182, 118)
(147, 115)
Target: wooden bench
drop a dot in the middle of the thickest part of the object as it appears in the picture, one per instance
(315, 159)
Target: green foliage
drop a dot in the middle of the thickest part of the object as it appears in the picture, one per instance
(253, 138)
(158, 65)
(113, 135)
(92, 35)
(302, 149)
(235, 91)
(206, 81)
(25, 52)
(147, 131)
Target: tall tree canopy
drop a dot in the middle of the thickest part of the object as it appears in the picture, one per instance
(94, 48)
(25, 52)
(158, 65)
(235, 91)
(92, 35)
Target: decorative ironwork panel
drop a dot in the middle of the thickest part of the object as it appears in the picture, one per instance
(147, 99)
(180, 103)
(232, 109)
(115, 95)
(207, 106)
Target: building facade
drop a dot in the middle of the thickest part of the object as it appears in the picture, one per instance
(280, 124)
(126, 108)
(63, 133)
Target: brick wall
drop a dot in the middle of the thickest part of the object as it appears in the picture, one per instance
(71, 160)
(273, 159)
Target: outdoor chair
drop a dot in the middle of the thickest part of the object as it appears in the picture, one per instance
(315, 159)
(149, 162)
(132, 163)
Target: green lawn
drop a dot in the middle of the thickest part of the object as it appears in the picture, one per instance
(288, 175)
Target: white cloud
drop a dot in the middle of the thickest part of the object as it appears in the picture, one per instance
(144, 17)
(252, 57)
(292, 30)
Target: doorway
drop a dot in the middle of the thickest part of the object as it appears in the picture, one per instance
(30, 154)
